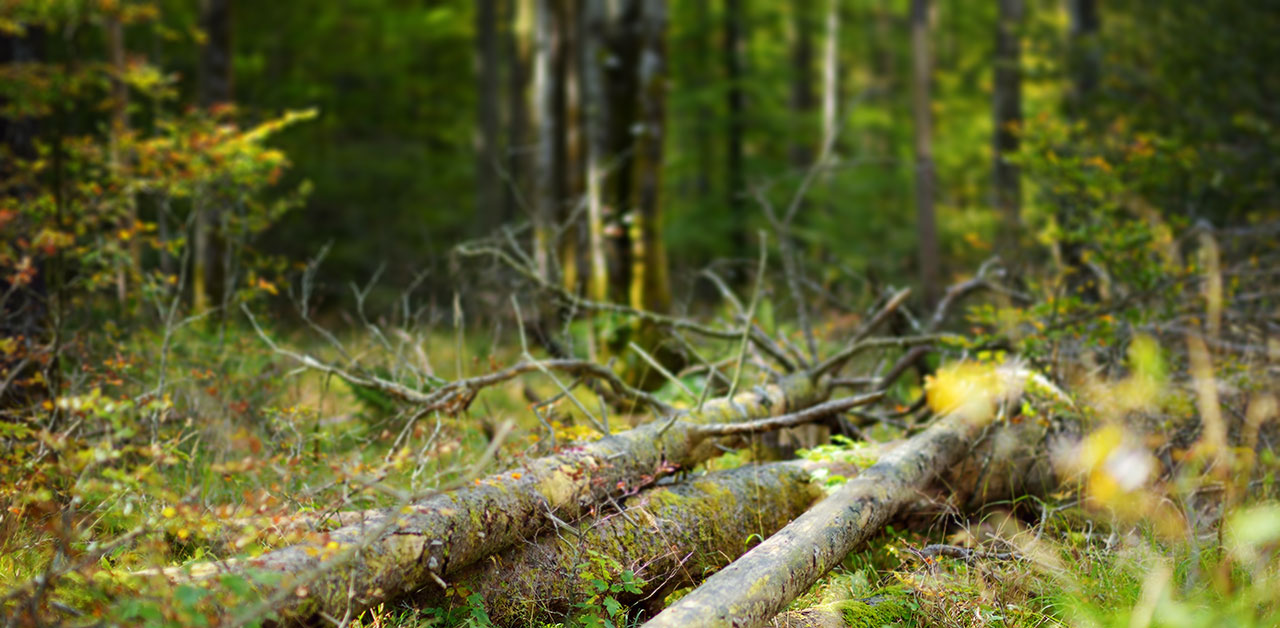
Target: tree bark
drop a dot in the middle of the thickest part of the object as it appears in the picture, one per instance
(517, 118)
(802, 99)
(215, 88)
(592, 74)
(650, 284)
(668, 537)
(1084, 64)
(488, 116)
(756, 587)
(921, 102)
(1007, 106)
(548, 124)
(120, 127)
(1086, 61)
(404, 550)
(735, 102)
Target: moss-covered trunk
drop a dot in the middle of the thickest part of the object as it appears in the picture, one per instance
(665, 538)
(398, 551)
(756, 587)
(670, 537)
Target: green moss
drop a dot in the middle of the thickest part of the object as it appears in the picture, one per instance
(891, 606)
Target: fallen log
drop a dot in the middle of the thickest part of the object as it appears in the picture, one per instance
(670, 537)
(666, 537)
(404, 549)
(753, 589)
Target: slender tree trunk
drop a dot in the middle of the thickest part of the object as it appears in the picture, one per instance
(546, 173)
(650, 284)
(703, 130)
(1086, 60)
(1084, 64)
(488, 116)
(1006, 178)
(921, 77)
(518, 38)
(215, 88)
(119, 128)
(802, 99)
(735, 166)
(573, 243)
(594, 18)
(830, 76)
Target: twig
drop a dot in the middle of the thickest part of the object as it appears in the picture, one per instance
(808, 415)
(751, 313)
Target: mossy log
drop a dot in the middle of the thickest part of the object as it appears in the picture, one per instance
(753, 589)
(423, 544)
(671, 536)
(667, 537)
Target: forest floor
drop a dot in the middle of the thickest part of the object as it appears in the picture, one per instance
(245, 440)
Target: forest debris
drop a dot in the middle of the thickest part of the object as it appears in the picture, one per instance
(665, 538)
(427, 541)
(757, 586)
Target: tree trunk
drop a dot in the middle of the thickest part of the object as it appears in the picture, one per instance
(1084, 64)
(488, 116)
(830, 77)
(668, 537)
(517, 51)
(404, 550)
(650, 285)
(802, 100)
(120, 127)
(547, 122)
(1006, 178)
(215, 88)
(573, 229)
(592, 74)
(921, 101)
(1086, 59)
(756, 587)
(735, 166)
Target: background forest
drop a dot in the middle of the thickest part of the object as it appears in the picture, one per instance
(271, 271)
